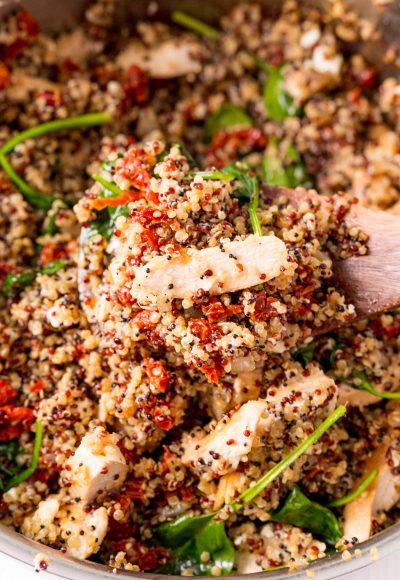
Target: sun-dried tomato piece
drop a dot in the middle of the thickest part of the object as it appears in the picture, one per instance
(14, 421)
(51, 252)
(136, 87)
(264, 308)
(203, 330)
(37, 387)
(7, 393)
(135, 167)
(5, 78)
(217, 311)
(102, 202)
(27, 24)
(229, 145)
(158, 374)
(163, 420)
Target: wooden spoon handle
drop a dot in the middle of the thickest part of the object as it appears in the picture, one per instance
(371, 282)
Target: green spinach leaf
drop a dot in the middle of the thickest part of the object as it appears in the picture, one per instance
(298, 510)
(278, 103)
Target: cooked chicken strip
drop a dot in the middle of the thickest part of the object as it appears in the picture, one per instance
(382, 494)
(229, 267)
(169, 59)
(221, 451)
(97, 465)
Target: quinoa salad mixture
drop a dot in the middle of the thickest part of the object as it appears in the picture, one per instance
(183, 389)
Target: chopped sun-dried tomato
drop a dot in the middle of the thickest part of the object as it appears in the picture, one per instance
(135, 167)
(27, 29)
(389, 331)
(14, 421)
(163, 420)
(51, 252)
(7, 393)
(218, 311)
(264, 308)
(5, 78)
(158, 374)
(229, 145)
(37, 387)
(136, 87)
(203, 330)
(103, 202)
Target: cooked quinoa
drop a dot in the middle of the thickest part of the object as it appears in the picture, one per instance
(169, 339)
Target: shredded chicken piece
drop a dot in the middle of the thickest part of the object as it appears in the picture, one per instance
(227, 268)
(169, 59)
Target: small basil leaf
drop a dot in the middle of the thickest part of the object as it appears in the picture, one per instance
(297, 510)
(278, 104)
(228, 116)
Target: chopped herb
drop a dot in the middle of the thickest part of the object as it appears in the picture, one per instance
(19, 478)
(225, 117)
(189, 536)
(305, 354)
(194, 24)
(51, 228)
(298, 510)
(366, 385)
(356, 492)
(15, 283)
(214, 175)
(278, 104)
(34, 198)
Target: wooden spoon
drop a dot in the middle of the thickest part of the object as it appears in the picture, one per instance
(372, 282)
